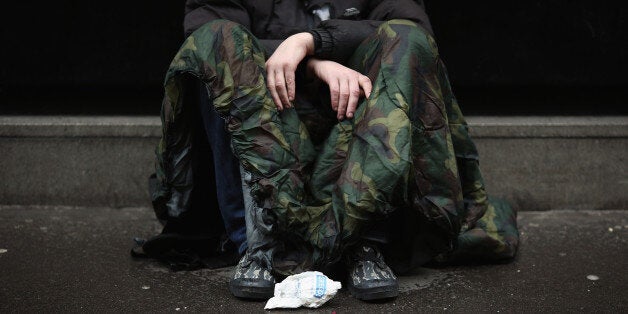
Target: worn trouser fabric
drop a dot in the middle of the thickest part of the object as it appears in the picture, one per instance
(226, 173)
(405, 156)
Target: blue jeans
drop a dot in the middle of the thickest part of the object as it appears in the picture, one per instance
(227, 173)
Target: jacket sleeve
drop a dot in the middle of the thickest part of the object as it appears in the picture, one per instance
(339, 37)
(199, 12)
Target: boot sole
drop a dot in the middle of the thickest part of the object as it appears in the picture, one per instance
(375, 293)
(250, 290)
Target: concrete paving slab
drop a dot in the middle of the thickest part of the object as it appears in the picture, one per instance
(64, 259)
(537, 163)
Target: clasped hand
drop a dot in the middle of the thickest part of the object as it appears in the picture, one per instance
(345, 85)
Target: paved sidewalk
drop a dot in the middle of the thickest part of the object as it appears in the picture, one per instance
(60, 259)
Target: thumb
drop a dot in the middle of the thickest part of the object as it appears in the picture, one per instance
(365, 84)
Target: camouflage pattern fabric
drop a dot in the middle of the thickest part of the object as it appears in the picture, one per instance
(495, 237)
(406, 152)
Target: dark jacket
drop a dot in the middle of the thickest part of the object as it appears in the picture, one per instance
(272, 21)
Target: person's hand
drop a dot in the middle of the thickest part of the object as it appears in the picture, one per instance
(345, 85)
(280, 67)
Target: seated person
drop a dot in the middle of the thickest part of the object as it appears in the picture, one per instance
(340, 120)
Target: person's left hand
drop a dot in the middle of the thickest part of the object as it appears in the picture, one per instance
(345, 85)
(281, 66)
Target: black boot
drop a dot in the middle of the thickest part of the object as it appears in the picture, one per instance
(369, 276)
(251, 280)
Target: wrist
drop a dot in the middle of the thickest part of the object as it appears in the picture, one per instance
(307, 40)
(311, 65)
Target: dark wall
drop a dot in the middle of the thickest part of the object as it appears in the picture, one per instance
(504, 57)
(535, 57)
(85, 57)
(73, 43)
(564, 43)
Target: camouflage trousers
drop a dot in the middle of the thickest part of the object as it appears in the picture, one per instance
(406, 156)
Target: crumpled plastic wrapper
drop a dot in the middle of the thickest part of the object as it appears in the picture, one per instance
(309, 289)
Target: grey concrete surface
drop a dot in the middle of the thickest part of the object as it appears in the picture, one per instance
(60, 259)
(557, 173)
(547, 127)
(538, 163)
(148, 126)
(69, 126)
(81, 161)
(87, 171)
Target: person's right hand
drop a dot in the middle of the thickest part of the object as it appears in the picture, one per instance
(345, 85)
(282, 64)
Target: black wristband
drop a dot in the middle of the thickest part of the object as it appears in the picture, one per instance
(317, 40)
(323, 43)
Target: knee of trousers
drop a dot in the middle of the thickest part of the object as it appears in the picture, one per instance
(410, 37)
(230, 36)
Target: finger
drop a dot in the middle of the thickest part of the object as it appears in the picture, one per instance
(280, 85)
(343, 98)
(290, 82)
(334, 92)
(354, 96)
(365, 83)
(270, 82)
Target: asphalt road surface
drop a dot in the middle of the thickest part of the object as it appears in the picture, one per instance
(63, 259)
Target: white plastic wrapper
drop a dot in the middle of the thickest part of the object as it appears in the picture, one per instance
(310, 289)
